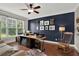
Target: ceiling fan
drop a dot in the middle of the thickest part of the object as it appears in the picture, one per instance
(31, 9)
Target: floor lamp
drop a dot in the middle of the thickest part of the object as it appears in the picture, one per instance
(62, 29)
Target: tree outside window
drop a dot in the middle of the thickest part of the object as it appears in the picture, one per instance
(10, 27)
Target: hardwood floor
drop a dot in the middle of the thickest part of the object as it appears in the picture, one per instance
(52, 50)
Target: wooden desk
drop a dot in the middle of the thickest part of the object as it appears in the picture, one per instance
(34, 37)
(31, 40)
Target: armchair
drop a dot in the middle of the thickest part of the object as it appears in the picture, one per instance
(64, 43)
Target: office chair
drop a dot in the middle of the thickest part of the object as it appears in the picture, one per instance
(64, 43)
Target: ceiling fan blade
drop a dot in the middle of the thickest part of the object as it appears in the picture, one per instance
(24, 9)
(37, 7)
(29, 12)
(36, 12)
(31, 5)
(27, 5)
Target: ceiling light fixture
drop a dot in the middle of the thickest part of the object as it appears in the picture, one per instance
(30, 10)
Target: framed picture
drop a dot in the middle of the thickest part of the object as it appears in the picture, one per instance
(77, 24)
(41, 22)
(46, 22)
(52, 22)
(46, 27)
(52, 27)
(77, 28)
(41, 27)
(77, 20)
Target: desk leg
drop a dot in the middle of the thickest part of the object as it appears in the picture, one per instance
(28, 43)
(16, 39)
(20, 40)
(31, 43)
(42, 48)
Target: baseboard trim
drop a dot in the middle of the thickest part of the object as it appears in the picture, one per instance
(76, 49)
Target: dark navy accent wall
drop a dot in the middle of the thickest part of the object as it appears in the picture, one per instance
(66, 19)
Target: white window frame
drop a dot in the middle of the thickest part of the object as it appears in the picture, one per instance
(6, 21)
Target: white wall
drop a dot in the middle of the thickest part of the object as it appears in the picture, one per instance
(76, 32)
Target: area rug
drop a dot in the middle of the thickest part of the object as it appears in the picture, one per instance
(9, 53)
(12, 43)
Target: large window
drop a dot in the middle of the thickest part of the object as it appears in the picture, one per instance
(2, 27)
(10, 27)
(20, 25)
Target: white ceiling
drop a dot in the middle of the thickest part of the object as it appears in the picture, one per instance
(46, 9)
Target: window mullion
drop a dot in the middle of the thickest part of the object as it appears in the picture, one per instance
(7, 27)
(23, 27)
(16, 28)
(0, 30)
